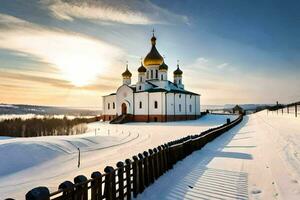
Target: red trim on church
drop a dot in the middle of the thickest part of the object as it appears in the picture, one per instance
(155, 118)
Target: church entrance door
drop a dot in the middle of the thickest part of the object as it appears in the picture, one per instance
(124, 109)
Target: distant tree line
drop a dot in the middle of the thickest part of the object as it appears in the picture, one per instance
(43, 127)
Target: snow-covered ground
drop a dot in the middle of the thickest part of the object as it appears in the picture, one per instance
(30, 162)
(258, 159)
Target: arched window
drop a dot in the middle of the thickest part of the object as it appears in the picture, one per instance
(141, 104)
(108, 106)
(155, 104)
(190, 108)
(156, 74)
(179, 107)
(151, 74)
(140, 87)
(114, 105)
(141, 79)
(162, 77)
(179, 81)
(179, 96)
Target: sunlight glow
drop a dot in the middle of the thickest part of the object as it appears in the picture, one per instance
(79, 58)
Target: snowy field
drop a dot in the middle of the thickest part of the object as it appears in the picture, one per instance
(30, 162)
(258, 159)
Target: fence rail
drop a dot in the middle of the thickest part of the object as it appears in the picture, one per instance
(130, 178)
(292, 108)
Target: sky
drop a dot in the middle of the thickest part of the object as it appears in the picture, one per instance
(72, 52)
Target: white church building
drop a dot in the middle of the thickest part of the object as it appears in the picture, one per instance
(153, 98)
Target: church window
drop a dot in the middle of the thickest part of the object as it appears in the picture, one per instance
(141, 79)
(190, 108)
(151, 74)
(155, 104)
(140, 87)
(179, 81)
(179, 107)
(147, 74)
(179, 96)
(190, 96)
(108, 106)
(162, 77)
(156, 74)
(141, 104)
(114, 105)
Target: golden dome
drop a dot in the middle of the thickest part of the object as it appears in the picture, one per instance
(127, 73)
(153, 57)
(142, 69)
(163, 67)
(178, 71)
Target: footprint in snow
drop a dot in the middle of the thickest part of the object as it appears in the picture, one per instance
(294, 181)
(256, 191)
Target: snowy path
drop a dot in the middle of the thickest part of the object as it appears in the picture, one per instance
(258, 159)
(48, 161)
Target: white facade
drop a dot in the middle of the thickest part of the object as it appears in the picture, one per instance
(153, 97)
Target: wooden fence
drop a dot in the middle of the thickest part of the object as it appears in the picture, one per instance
(292, 109)
(130, 178)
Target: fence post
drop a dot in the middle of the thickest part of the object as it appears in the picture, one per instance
(151, 166)
(38, 194)
(110, 185)
(120, 166)
(161, 161)
(146, 168)
(96, 186)
(81, 190)
(136, 176)
(141, 170)
(169, 166)
(128, 178)
(68, 190)
(156, 163)
(165, 157)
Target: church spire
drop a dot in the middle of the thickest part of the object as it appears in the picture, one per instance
(153, 39)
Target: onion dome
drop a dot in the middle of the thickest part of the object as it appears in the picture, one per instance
(153, 57)
(177, 72)
(163, 67)
(127, 73)
(142, 69)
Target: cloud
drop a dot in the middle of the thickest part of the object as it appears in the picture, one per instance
(78, 57)
(208, 65)
(13, 76)
(140, 12)
(221, 66)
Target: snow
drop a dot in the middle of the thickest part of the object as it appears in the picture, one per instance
(30, 162)
(258, 159)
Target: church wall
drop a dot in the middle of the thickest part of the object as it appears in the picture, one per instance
(198, 105)
(180, 102)
(191, 101)
(141, 97)
(109, 100)
(170, 103)
(124, 95)
(159, 98)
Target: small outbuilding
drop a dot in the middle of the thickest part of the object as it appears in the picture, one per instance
(238, 110)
